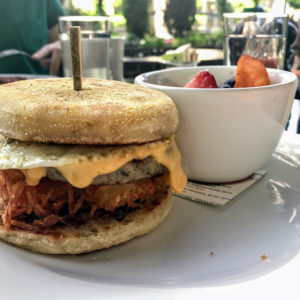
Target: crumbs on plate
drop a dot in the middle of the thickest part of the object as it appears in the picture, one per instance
(264, 257)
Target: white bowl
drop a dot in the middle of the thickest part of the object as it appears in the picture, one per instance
(225, 135)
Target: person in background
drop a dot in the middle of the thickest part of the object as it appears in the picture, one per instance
(30, 26)
(296, 70)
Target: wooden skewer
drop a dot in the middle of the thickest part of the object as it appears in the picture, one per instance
(75, 44)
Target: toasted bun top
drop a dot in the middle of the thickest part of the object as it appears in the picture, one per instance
(103, 112)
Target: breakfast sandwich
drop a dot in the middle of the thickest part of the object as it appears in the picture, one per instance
(84, 170)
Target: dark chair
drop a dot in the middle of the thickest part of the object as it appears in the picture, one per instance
(297, 96)
(292, 34)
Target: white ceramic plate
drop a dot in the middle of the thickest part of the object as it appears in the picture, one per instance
(175, 260)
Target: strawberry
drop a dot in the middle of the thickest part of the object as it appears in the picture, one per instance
(204, 80)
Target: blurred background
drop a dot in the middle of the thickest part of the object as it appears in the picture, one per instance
(142, 36)
(151, 27)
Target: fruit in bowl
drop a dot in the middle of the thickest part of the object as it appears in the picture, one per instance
(250, 72)
(225, 134)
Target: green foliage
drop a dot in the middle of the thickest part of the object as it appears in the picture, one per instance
(223, 7)
(100, 8)
(132, 40)
(294, 3)
(195, 38)
(118, 21)
(180, 16)
(118, 7)
(201, 40)
(151, 41)
(136, 15)
(73, 11)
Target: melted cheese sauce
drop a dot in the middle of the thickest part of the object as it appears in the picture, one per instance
(82, 174)
(33, 176)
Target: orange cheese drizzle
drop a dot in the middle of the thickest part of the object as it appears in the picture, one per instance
(82, 174)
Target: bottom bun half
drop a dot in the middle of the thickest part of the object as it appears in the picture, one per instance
(93, 235)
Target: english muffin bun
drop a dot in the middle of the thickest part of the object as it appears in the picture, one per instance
(84, 170)
(104, 112)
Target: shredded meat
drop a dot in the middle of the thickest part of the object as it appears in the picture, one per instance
(52, 202)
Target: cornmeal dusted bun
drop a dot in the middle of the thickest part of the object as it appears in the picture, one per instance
(84, 170)
(103, 112)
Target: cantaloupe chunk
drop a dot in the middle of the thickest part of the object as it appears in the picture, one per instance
(250, 72)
